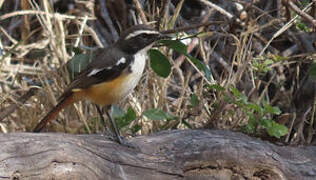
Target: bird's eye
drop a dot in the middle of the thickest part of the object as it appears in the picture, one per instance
(144, 36)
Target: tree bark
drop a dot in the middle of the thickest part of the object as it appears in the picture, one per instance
(178, 154)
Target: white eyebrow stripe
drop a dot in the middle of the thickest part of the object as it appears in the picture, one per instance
(121, 61)
(136, 33)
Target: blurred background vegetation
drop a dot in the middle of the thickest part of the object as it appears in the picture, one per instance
(249, 67)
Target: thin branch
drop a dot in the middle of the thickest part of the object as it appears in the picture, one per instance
(194, 26)
(10, 109)
(302, 13)
(33, 12)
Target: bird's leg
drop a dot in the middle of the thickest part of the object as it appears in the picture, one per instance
(99, 109)
(114, 126)
(108, 130)
(100, 113)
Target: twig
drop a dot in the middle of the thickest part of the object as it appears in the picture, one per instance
(163, 13)
(283, 29)
(141, 11)
(92, 33)
(191, 27)
(8, 36)
(221, 61)
(302, 13)
(311, 124)
(221, 10)
(34, 12)
(81, 31)
(9, 110)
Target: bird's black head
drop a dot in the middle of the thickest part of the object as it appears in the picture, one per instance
(137, 38)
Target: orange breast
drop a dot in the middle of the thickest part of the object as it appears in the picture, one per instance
(105, 93)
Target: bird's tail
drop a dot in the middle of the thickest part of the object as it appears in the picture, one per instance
(65, 101)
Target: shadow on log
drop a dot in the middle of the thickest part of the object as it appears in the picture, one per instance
(187, 154)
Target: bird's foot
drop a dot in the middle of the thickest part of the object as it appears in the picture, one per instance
(124, 142)
(120, 140)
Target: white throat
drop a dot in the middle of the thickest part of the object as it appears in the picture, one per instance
(140, 60)
(136, 70)
(138, 66)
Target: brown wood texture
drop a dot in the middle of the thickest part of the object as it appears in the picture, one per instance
(178, 154)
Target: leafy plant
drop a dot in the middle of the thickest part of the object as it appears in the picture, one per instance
(258, 115)
(123, 118)
(302, 26)
(262, 65)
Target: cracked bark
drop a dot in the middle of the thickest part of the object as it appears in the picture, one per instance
(188, 154)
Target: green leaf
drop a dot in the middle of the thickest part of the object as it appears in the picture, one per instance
(77, 50)
(155, 114)
(255, 107)
(170, 117)
(268, 62)
(158, 114)
(117, 112)
(235, 91)
(184, 122)
(312, 70)
(130, 114)
(302, 26)
(76, 64)
(123, 119)
(181, 48)
(175, 45)
(273, 128)
(216, 87)
(196, 62)
(159, 63)
(200, 65)
(277, 58)
(136, 128)
(270, 109)
(240, 97)
(251, 127)
(194, 100)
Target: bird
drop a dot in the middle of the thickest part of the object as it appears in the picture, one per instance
(111, 75)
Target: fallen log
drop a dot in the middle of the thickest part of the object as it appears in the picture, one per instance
(178, 154)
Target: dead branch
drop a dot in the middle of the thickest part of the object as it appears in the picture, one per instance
(180, 154)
